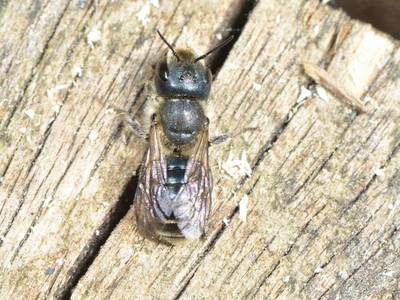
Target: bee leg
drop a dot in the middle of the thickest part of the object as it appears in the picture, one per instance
(134, 124)
(219, 139)
(222, 138)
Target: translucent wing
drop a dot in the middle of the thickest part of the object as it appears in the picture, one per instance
(156, 214)
(151, 186)
(191, 207)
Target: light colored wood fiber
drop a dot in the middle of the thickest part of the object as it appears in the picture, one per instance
(321, 179)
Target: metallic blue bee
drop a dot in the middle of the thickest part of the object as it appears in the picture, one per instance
(173, 197)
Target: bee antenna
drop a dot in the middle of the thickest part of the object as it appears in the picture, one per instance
(228, 40)
(168, 44)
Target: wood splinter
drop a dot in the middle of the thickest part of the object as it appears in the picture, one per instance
(324, 79)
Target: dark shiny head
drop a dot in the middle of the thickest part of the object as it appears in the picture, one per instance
(183, 74)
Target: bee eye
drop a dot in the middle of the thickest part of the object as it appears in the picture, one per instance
(162, 70)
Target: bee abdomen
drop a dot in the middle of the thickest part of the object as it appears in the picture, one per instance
(176, 167)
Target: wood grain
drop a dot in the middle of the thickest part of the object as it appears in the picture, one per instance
(323, 191)
(299, 149)
(63, 161)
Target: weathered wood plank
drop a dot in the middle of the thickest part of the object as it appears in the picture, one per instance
(63, 162)
(323, 194)
(25, 31)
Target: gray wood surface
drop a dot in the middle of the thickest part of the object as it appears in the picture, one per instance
(320, 178)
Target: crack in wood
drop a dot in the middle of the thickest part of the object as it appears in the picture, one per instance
(120, 209)
(39, 212)
(254, 291)
(362, 145)
(287, 252)
(266, 247)
(192, 271)
(363, 263)
(12, 187)
(313, 175)
(53, 279)
(34, 68)
(20, 203)
(2, 176)
(215, 64)
(228, 276)
(92, 246)
(291, 151)
(343, 250)
(31, 165)
(98, 239)
(322, 266)
(267, 147)
(237, 23)
(218, 233)
(25, 31)
(374, 177)
(349, 242)
(353, 237)
(183, 289)
(48, 128)
(43, 142)
(326, 291)
(6, 167)
(208, 248)
(274, 138)
(29, 231)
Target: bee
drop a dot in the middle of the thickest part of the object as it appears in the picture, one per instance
(173, 197)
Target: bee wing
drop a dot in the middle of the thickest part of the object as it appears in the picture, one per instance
(149, 212)
(191, 207)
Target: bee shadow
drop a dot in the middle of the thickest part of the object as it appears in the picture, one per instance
(127, 196)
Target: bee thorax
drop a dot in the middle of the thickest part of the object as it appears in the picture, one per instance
(181, 120)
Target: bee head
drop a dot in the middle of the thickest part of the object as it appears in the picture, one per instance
(183, 74)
